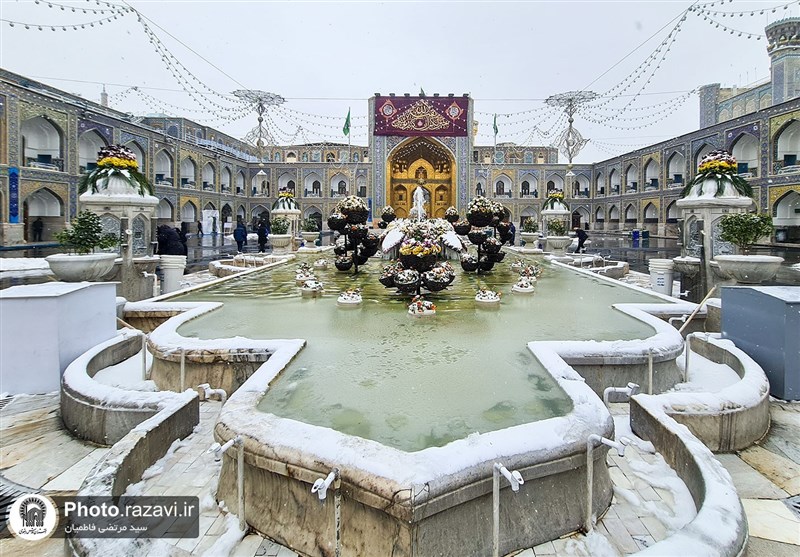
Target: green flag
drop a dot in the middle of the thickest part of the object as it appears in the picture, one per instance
(494, 124)
(346, 128)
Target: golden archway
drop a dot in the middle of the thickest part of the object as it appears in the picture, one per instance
(425, 163)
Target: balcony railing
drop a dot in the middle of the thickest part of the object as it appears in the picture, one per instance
(45, 163)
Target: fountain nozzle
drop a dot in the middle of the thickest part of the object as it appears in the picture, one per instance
(321, 485)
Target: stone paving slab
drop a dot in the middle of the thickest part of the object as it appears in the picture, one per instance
(782, 471)
(749, 483)
(772, 520)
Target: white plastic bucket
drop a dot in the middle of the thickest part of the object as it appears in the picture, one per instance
(172, 266)
(661, 275)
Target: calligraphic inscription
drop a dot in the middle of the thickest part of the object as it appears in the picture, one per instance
(421, 116)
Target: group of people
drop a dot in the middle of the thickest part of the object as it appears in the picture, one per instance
(262, 231)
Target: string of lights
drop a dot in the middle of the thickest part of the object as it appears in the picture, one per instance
(75, 9)
(644, 119)
(702, 8)
(71, 27)
(288, 114)
(178, 71)
(317, 133)
(322, 116)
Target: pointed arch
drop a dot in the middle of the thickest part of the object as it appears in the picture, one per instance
(188, 172)
(89, 144)
(599, 184)
(44, 202)
(599, 215)
(189, 212)
(676, 168)
(503, 186)
(164, 168)
(140, 153)
(650, 213)
(209, 176)
(613, 182)
(42, 143)
(240, 182)
(786, 211)
(652, 171)
(630, 213)
(704, 149)
(340, 185)
(165, 210)
(786, 145)
(227, 179)
(613, 214)
(746, 150)
(312, 185)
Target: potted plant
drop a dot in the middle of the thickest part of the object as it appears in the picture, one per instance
(84, 236)
(529, 233)
(743, 230)
(279, 235)
(310, 230)
(557, 241)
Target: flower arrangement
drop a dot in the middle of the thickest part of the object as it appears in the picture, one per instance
(431, 229)
(420, 306)
(530, 271)
(530, 226)
(488, 296)
(480, 204)
(313, 286)
(280, 225)
(451, 212)
(388, 210)
(744, 229)
(407, 276)
(350, 296)
(115, 160)
(420, 248)
(321, 263)
(86, 234)
(556, 227)
(524, 284)
(310, 225)
(285, 194)
(351, 203)
(720, 168)
(391, 269)
(554, 198)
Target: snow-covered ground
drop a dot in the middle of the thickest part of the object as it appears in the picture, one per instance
(8, 264)
(128, 374)
(704, 375)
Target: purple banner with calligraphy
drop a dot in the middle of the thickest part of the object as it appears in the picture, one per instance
(421, 116)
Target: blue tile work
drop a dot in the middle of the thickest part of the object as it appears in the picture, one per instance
(103, 129)
(779, 81)
(733, 134)
(127, 137)
(379, 167)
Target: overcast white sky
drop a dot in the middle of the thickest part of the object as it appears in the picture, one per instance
(326, 57)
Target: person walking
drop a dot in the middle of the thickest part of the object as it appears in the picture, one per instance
(262, 232)
(513, 231)
(240, 235)
(38, 228)
(199, 228)
(582, 237)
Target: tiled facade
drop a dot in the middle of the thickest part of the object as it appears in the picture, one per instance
(634, 190)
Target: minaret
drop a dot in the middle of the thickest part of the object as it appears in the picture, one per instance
(104, 97)
(783, 46)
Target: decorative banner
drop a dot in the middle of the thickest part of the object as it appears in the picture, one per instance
(13, 195)
(421, 116)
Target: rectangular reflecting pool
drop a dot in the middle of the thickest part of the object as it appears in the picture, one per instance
(410, 383)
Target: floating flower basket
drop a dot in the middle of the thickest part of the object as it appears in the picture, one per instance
(480, 219)
(434, 285)
(497, 257)
(451, 215)
(357, 216)
(339, 250)
(369, 251)
(387, 281)
(469, 264)
(477, 237)
(503, 227)
(343, 263)
(407, 280)
(361, 259)
(486, 264)
(371, 240)
(462, 227)
(337, 221)
(388, 217)
(492, 245)
(356, 232)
